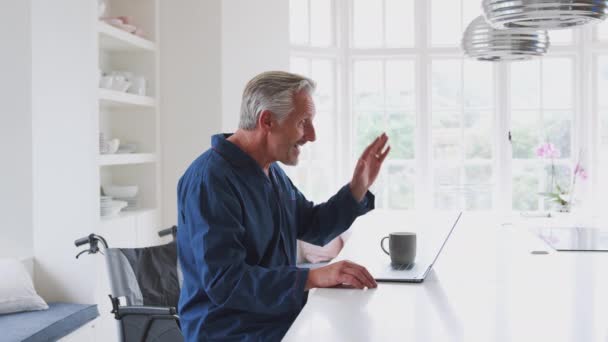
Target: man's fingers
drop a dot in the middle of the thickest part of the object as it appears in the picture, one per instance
(357, 274)
(361, 273)
(351, 280)
(384, 154)
(369, 147)
(376, 146)
(381, 143)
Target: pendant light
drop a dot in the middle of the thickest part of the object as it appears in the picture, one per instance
(484, 43)
(543, 14)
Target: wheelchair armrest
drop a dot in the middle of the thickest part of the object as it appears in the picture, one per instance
(146, 310)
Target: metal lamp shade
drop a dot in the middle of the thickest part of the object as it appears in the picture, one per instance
(484, 43)
(543, 14)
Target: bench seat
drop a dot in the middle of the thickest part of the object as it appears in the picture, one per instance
(46, 325)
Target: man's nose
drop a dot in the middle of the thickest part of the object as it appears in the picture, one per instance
(310, 133)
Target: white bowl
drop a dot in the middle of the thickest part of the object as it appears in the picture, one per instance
(111, 146)
(120, 191)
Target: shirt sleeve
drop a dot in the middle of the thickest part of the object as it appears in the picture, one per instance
(217, 240)
(321, 223)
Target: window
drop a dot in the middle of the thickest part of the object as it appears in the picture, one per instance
(542, 111)
(463, 133)
(384, 101)
(313, 177)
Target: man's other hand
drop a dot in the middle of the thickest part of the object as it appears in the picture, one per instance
(368, 166)
(340, 273)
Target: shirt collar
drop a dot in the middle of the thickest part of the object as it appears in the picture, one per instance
(232, 153)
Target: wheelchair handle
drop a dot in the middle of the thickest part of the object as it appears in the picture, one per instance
(93, 241)
(171, 230)
(83, 240)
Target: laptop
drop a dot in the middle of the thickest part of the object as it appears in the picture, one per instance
(433, 243)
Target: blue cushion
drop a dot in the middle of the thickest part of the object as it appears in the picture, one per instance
(47, 325)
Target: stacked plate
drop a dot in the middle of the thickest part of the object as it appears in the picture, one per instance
(131, 203)
(123, 193)
(110, 207)
(103, 145)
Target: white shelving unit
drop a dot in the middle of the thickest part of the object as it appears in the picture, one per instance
(116, 99)
(114, 39)
(126, 159)
(131, 118)
(128, 214)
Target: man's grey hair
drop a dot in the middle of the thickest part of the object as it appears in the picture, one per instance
(274, 91)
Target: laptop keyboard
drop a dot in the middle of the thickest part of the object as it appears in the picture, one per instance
(402, 267)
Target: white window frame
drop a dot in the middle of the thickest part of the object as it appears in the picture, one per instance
(584, 49)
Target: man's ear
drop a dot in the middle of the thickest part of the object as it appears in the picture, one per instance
(266, 121)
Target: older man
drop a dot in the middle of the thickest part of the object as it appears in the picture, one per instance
(240, 217)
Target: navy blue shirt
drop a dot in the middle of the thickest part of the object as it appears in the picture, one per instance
(237, 244)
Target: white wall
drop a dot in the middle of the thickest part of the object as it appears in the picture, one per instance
(190, 88)
(65, 172)
(255, 38)
(209, 50)
(15, 130)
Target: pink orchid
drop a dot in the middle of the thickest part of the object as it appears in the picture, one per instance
(580, 171)
(547, 150)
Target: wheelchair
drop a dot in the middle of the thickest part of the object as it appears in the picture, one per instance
(145, 285)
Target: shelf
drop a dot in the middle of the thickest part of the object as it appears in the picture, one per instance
(116, 99)
(114, 39)
(126, 158)
(127, 214)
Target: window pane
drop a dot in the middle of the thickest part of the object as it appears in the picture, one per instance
(557, 83)
(323, 74)
(478, 85)
(471, 9)
(447, 144)
(602, 31)
(443, 120)
(399, 23)
(323, 147)
(367, 23)
(379, 187)
(401, 187)
(401, 131)
(561, 178)
(298, 175)
(560, 37)
(447, 189)
(604, 132)
(400, 83)
(603, 150)
(525, 187)
(369, 126)
(300, 66)
(478, 190)
(524, 133)
(298, 21)
(446, 83)
(321, 29)
(446, 135)
(602, 80)
(321, 178)
(445, 22)
(368, 84)
(525, 85)
(558, 127)
(477, 135)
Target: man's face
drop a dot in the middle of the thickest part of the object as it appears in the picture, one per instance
(294, 131)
